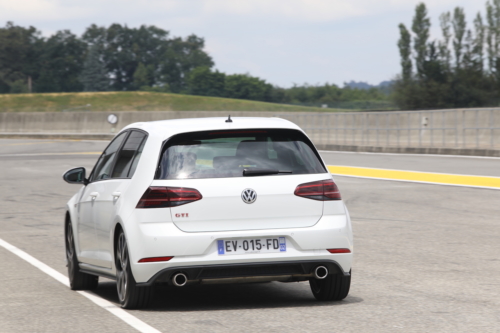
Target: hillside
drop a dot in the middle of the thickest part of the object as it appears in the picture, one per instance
(135, 101)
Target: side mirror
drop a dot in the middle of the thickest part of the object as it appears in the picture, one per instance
(75, 176)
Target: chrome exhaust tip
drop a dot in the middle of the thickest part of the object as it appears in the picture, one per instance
(320, 272)
(179, 280)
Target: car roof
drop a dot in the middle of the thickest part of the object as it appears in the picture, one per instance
(167, 128)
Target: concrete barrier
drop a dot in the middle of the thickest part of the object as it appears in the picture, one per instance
(96, 122)
(460, 131)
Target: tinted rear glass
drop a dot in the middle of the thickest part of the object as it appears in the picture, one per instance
(221, 154)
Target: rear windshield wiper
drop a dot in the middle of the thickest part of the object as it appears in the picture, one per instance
(263, 172)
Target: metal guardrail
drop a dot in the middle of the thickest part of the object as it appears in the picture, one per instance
(462, 128)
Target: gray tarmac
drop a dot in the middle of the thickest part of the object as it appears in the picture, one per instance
(427, 257)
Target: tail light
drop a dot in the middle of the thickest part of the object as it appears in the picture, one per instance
(155, 259)
(339, 250)
(322, 190)
(160, 197)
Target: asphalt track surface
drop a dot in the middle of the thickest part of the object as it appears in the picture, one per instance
(427, 257)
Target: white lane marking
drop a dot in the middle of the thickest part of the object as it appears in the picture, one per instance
(117, 311)
(406, 154)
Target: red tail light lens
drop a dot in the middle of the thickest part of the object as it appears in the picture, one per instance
(322, 190)
(155, 259)
(161, 197)
(339, 250)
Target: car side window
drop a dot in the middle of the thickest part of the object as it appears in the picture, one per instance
(129, 155)
(102, 169)
(137, 158)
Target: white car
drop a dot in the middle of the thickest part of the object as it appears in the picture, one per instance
(210, 200)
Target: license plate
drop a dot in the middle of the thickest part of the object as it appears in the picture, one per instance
(251, 245)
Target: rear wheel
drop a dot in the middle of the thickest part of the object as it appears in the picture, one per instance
(130, 295)
(332, 288)
(77, 279)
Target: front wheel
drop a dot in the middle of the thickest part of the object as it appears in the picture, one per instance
(77, 279)
(332, 288)
(130, 295)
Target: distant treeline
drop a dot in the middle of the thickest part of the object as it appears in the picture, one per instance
(462, 69)
(119, 58)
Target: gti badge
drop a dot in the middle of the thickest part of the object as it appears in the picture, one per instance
(248, 196)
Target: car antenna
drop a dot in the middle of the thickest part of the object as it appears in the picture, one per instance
(229, 120)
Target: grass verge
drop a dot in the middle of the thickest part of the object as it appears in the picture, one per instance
(136, 101)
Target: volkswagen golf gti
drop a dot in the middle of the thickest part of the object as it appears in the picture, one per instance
(209, 200)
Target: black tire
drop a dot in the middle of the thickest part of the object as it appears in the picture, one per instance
(77, 279)
(129, 294)
(332, 288)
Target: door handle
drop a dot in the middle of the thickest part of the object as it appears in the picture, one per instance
(116, 194)
(94, 195)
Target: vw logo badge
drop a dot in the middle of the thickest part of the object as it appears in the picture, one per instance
(248, 196)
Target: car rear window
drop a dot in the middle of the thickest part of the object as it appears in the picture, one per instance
(221, 154)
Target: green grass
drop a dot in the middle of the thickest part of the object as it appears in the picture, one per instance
(136, 101)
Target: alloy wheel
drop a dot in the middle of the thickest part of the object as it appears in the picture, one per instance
(70, 248)
(121, 267)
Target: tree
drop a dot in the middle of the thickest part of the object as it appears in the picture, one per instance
(459, 29)
(244, 86)
(468, 54)
(124, 48)
(493, 37)
(94, 75)
(444, 52)
(182, 57)
(168, 61)
(141, 77)
(19, 87)
(420, 26)
(61, 63)
(404, 45)
(467, 83)
(20, 50)
(202, 81)
(478, 42)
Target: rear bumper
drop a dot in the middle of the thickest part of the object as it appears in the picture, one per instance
(158, 239)
(295, 270)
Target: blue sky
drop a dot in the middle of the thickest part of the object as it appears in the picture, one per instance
(281, 41)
